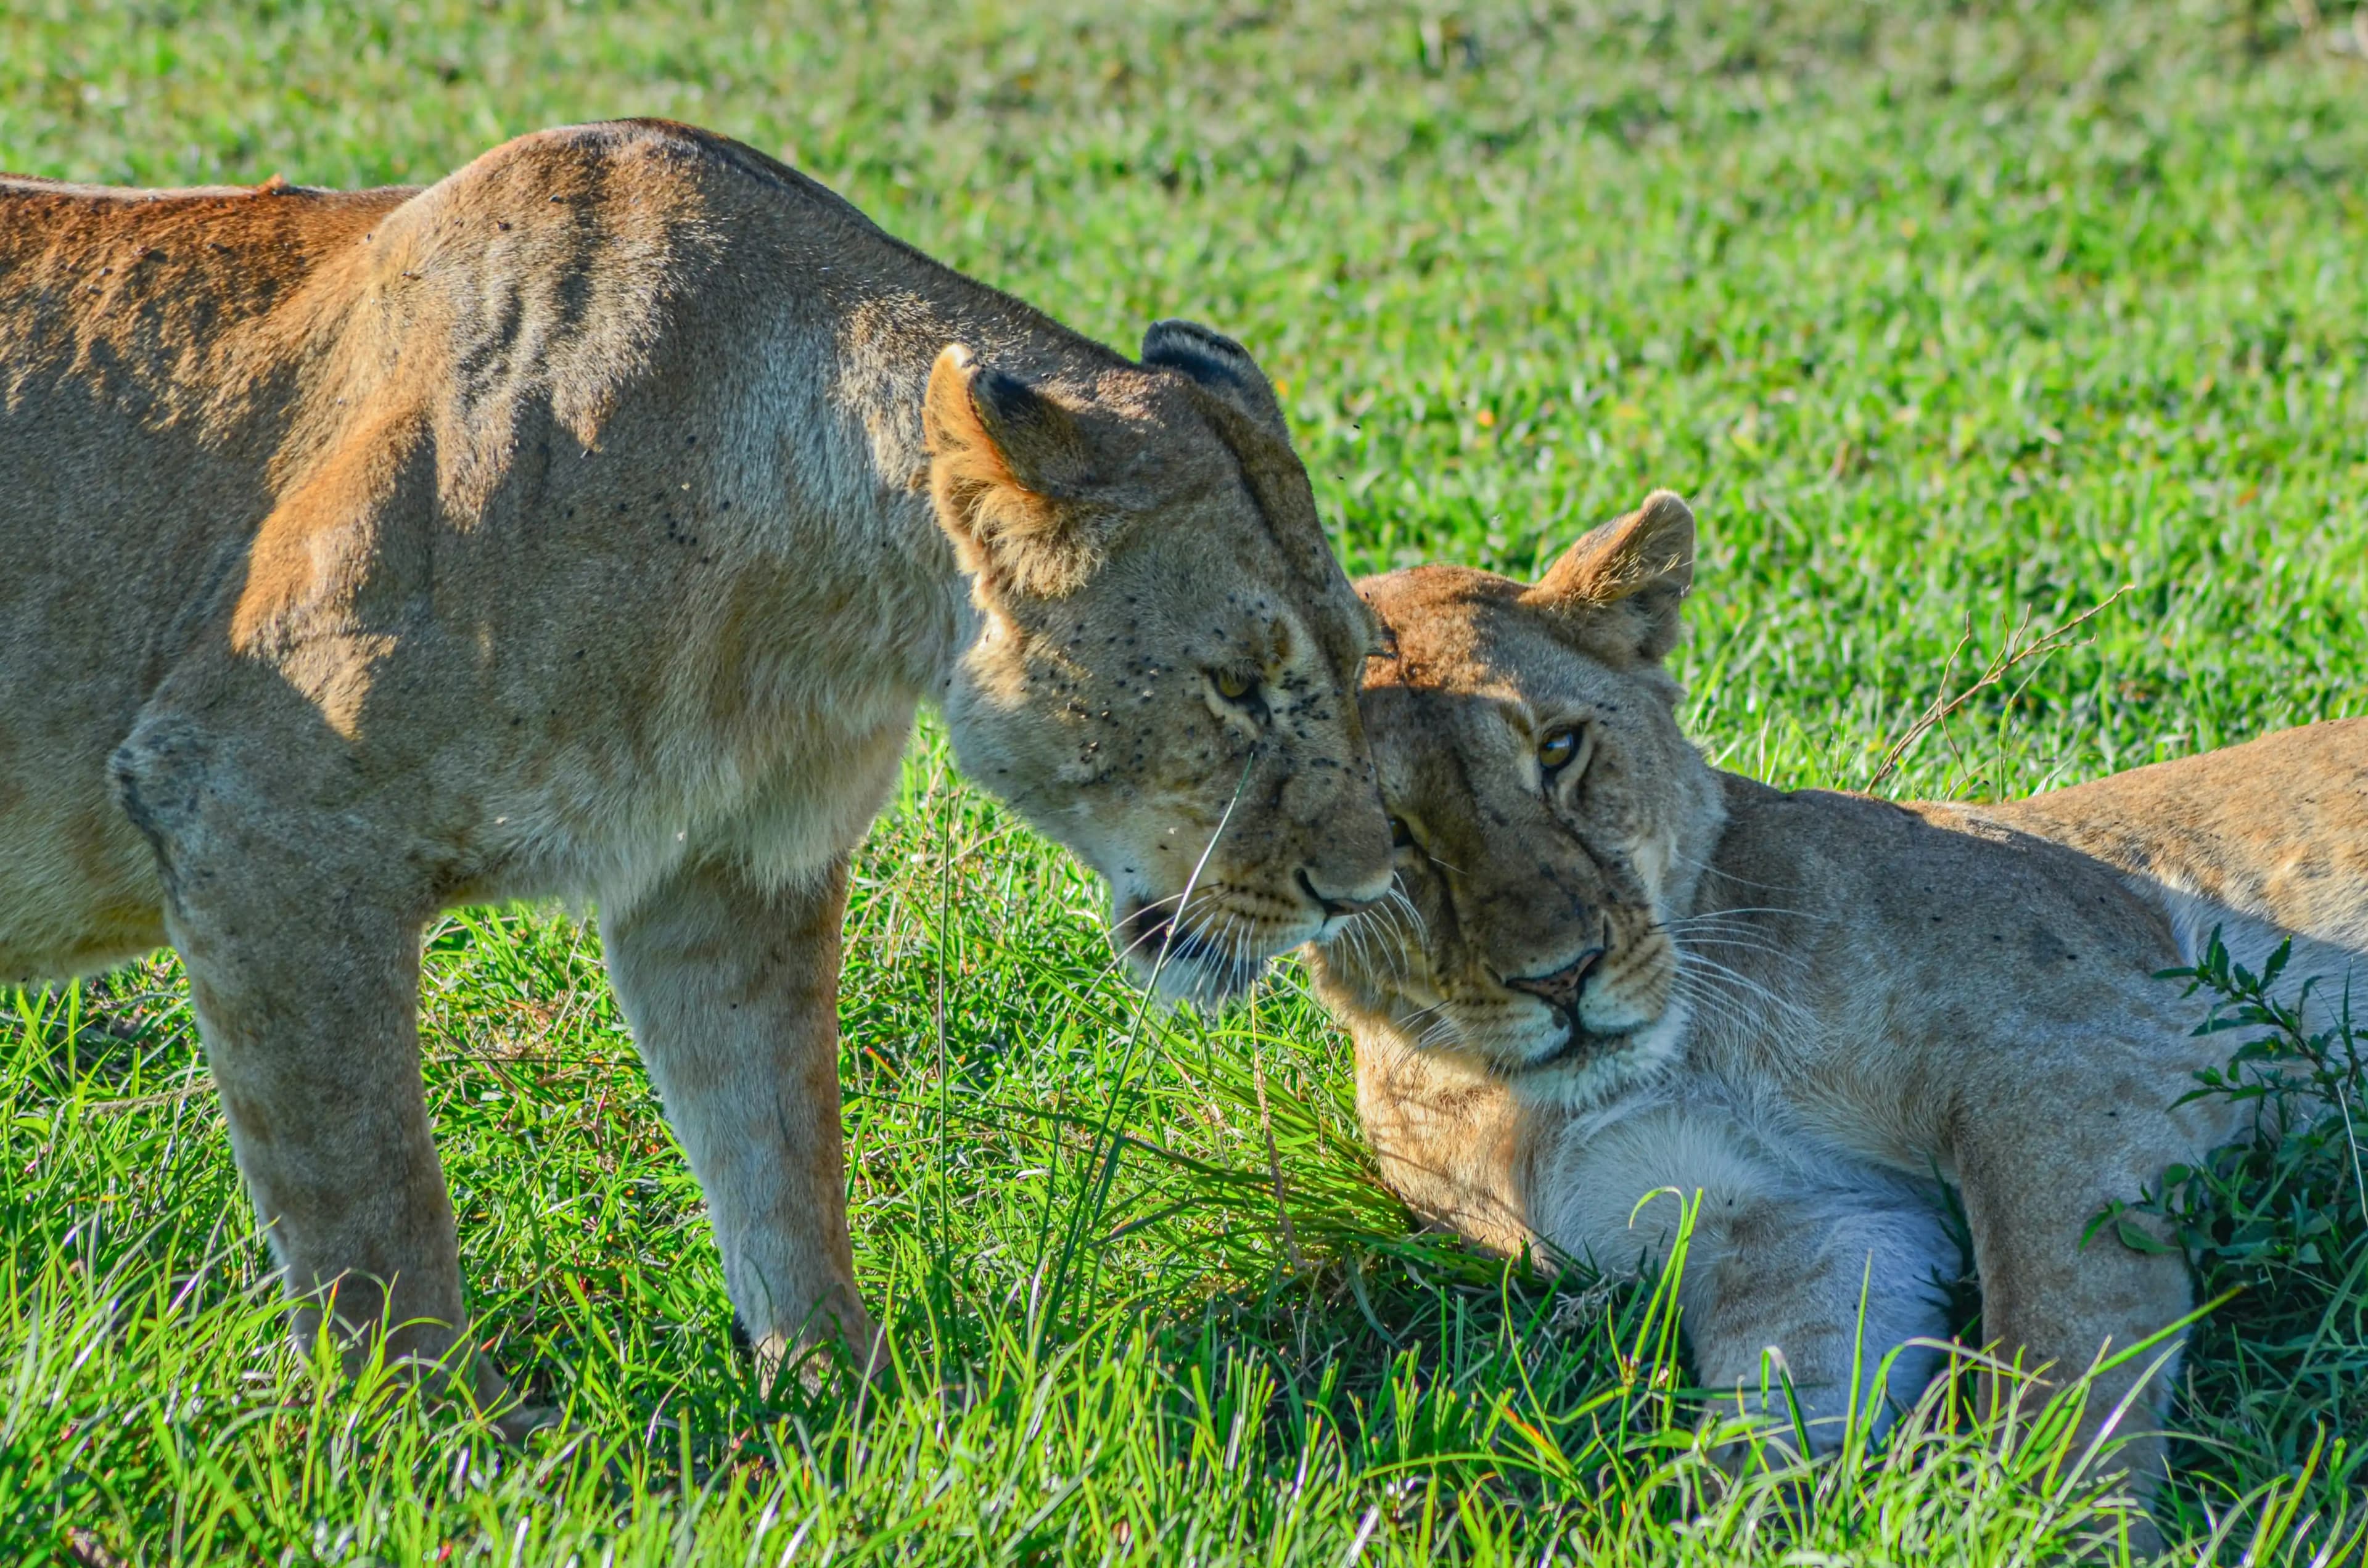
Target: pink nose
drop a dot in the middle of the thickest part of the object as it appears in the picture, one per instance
(1561, 989)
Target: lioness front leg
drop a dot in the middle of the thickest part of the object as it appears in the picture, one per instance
(301, 933)
(733, 994)
(1819, 1289)
(1773, 1263)
(2033, 1188)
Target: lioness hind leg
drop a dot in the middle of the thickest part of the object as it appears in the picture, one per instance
(733, 992)
(303, 974)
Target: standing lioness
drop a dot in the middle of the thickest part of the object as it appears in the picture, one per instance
(591, 523)
(1618, 971)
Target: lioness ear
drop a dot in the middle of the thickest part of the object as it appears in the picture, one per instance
(1621, 584)
(1008, 471)
(1219, 364)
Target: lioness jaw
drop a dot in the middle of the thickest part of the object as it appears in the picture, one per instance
(592, 522)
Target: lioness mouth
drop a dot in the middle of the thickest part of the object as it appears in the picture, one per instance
(1160, 941)
(1578, 1042)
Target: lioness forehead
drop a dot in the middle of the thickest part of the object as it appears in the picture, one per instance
(1447, 627)
(1277, 482)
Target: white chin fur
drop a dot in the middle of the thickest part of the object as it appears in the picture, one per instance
(1614, 1068)
(1206, 982)
(1205, 979)
(1186, 974)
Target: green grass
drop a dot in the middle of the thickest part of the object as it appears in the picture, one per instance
(1941, 314)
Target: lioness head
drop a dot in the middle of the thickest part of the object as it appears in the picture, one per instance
(1165, 675)
(1549, 816)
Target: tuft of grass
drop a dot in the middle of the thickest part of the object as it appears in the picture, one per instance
(2278, 1385)
(1946, 317)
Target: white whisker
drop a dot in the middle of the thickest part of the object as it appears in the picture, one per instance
(1726, 875)
(1745, 984)
(1739, 943)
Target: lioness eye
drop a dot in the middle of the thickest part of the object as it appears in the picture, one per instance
(1401, 835)
(1559, 747)
(1231, 684)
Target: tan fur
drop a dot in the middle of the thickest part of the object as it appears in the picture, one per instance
(1841, 997)
(591, 524)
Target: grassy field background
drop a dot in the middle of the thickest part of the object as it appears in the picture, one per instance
(1943, 315)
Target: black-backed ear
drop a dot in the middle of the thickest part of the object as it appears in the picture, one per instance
(1010, 469)
(1219, 364)
(1621, 586)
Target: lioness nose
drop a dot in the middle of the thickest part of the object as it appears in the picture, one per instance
(1560, 988)
(1333, 905)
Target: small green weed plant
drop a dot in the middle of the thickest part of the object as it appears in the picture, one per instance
(2276, 1227)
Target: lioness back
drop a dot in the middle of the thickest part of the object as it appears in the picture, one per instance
(2276, 828)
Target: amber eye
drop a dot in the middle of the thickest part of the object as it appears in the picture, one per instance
(1231, 684)
(1559, 747)
(1401, 836)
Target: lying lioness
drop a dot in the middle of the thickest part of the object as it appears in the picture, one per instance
(591, 523)
(1617, 970)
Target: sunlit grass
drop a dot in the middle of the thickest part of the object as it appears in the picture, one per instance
(1940, 315)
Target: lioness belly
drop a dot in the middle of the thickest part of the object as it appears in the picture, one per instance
(78, 885)
(78, 892)
(96, 574)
